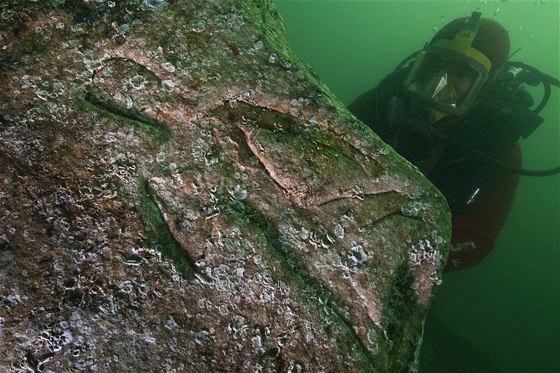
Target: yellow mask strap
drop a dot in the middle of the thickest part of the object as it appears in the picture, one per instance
(462, 42)
(470, 52)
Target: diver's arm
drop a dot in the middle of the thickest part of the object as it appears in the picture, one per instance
(474, 235)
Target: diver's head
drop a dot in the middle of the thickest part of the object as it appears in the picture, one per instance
(459, 64)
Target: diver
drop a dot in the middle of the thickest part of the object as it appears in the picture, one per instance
(456, 110)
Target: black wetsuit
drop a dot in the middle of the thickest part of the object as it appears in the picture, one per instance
(448, 152)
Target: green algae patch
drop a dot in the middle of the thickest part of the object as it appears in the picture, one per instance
(159, 236)
(96, 100)
(324, 300)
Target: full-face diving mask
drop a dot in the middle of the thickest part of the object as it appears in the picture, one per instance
(449, 74)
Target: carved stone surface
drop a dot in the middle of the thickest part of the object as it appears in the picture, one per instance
(178, 192)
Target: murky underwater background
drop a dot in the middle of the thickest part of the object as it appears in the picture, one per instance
(504, 314)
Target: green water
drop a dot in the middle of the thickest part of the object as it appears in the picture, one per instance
(504, 314)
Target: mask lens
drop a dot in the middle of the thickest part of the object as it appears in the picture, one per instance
(441, 90)
(445, 81)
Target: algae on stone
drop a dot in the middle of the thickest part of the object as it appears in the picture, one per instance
(180, 192)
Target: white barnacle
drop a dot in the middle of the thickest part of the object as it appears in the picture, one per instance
(339, 231)
(149, 4)
(238, 193)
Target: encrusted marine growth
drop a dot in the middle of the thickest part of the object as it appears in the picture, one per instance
(180, 193)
